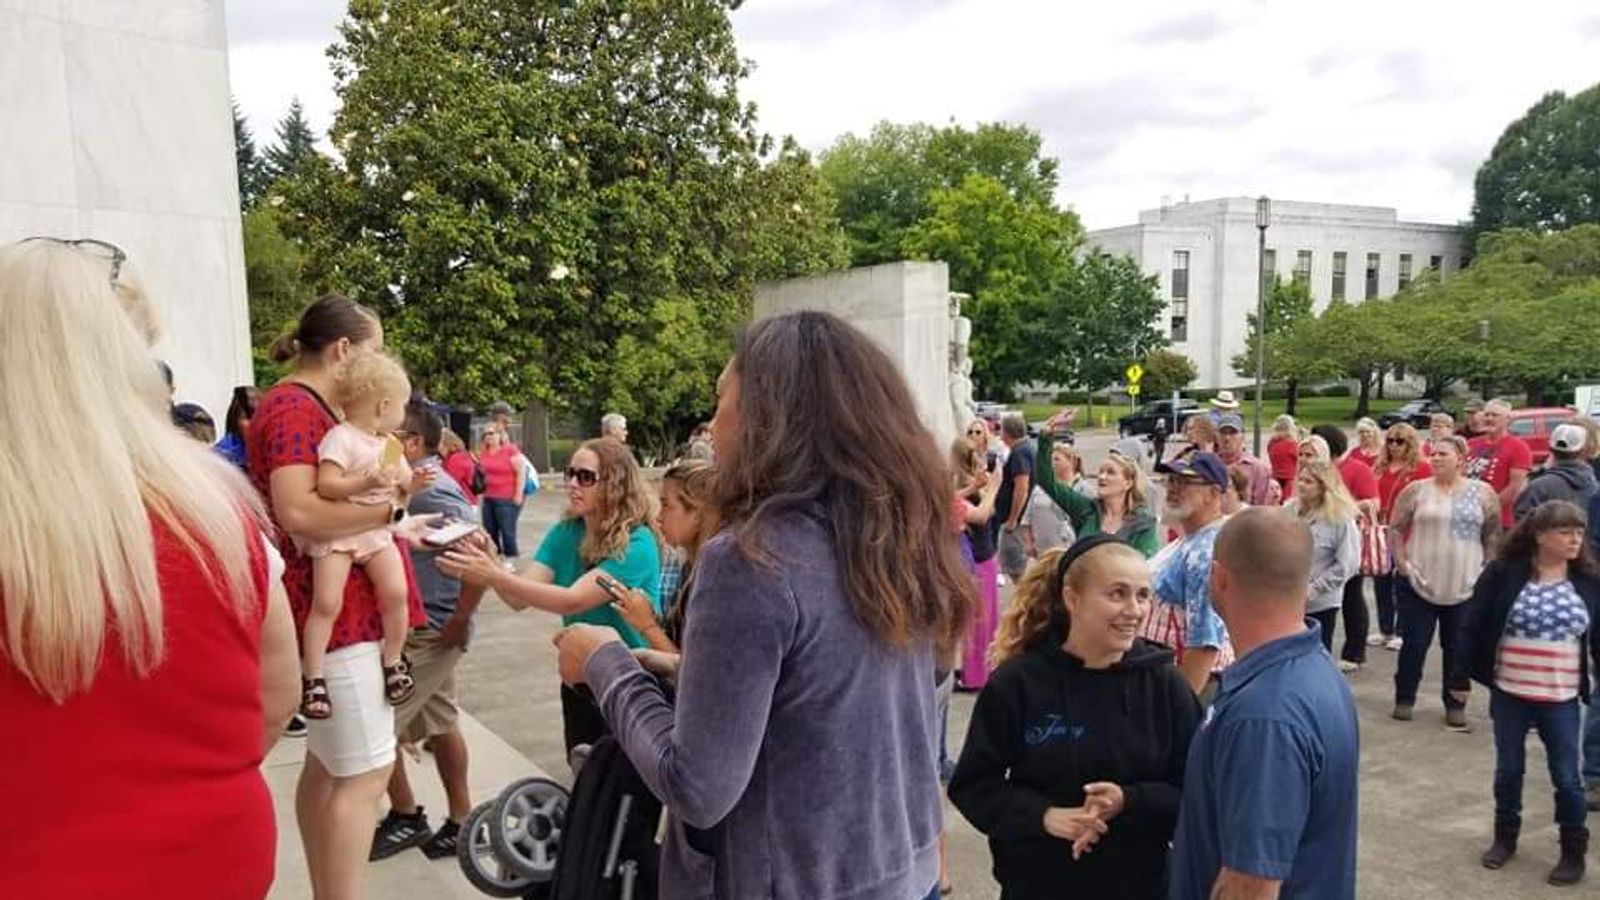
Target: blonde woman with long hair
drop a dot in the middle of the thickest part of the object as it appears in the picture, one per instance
(606, 537)
(148, 657)
(1325, 505)
(1047, 783)
(1401, 462)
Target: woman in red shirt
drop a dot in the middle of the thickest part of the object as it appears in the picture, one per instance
(1282, 453)
(502, 493)
(458, 463)
(145, 666)
(1369, 443)
(348, 756)
(1401, 462)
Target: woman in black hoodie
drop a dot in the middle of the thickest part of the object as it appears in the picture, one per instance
(1073, 765)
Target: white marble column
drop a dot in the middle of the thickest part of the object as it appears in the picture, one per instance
(115, 124)
(904, 307)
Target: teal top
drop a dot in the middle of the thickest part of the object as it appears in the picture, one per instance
(1139, 527)
(639, 566)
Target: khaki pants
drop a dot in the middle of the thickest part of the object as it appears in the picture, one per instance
(432, 709)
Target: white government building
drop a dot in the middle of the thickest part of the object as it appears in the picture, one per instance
(1204, 254)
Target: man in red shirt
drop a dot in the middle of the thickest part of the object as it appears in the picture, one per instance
(1500, 459)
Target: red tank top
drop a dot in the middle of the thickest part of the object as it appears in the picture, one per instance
(147, 787)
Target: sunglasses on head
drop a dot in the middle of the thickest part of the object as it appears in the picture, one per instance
(111, 253)
(582, 477)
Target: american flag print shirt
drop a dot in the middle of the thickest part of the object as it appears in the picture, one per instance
(1541, 652)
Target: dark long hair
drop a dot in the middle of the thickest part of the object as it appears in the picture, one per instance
(829, 424)
(325, 322)
(242, 406)
(1522, 545)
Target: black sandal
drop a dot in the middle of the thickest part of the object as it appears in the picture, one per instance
(398, 686)
(314, 701)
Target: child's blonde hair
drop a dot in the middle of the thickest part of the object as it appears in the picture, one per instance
(375, 375)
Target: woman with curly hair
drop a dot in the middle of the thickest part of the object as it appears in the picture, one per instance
(1080, 738)
(606, 531)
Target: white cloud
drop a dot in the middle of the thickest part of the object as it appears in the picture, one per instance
(1384, 102)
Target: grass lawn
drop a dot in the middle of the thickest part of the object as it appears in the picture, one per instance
(1310, 411)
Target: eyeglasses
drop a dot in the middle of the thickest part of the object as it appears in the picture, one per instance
(582, 477)
(975, 432)
(1394, 441)
(111, 253)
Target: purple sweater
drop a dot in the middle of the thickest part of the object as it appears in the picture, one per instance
(802, 743)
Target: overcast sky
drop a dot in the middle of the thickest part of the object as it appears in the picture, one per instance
(1385, 102)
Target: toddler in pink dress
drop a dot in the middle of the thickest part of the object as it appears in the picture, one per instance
(359, 461)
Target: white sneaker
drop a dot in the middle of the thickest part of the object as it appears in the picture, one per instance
(1375, 640)
(1346, 666)
(1393, 643)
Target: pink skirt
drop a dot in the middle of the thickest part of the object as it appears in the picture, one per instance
(985, 619)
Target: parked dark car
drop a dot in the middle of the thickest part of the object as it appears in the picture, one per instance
(1143, 420)
(1419, 413)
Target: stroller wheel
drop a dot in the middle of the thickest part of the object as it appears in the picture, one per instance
(525, 826)
(483, 868)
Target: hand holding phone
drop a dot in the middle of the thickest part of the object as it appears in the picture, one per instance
(448, 533)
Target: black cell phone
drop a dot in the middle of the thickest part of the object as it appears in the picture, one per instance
(611, 586)
(992, 462)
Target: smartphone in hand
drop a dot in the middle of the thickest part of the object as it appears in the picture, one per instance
(448, 533)
(612, 586)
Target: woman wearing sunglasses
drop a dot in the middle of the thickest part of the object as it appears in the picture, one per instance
(605, 533)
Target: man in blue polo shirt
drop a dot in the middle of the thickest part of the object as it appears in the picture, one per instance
(1269, 802)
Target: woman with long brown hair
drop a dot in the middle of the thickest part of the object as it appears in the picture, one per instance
(1532, 636)
(1080, 738)
(816, 618)
(977, 488)
(606, 534)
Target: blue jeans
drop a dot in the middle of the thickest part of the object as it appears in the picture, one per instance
(500, 521)
(1418, 618)
(1383, 587)
(1557, 724)
(1591, 742)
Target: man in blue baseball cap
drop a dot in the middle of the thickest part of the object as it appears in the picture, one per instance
(1183, 617)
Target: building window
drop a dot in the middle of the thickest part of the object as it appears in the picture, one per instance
(1180, 274)
(1302, 267)
(1405, 270)
(1180, 329)
(1372, 275)
(1466, 260)
(1436, 263)
(1340, 259)
(1269, 267)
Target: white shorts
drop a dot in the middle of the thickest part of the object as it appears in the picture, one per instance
(359, 736)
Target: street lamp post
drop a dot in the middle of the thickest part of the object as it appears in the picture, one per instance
(1263, 219)
(1483, 338)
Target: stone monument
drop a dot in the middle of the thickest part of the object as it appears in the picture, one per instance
(115, 124)
(907, 309)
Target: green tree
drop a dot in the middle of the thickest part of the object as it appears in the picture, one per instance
(885, 181)
(1543, 173)
(1288, 303)
(1013, 256)
(553, 200)
(247, 159)
(275, 280)
(296, 145)
(1166, 371)
(1103, 319)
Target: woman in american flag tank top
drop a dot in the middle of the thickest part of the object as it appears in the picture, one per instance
(1530, 637)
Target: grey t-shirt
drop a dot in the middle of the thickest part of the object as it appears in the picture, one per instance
(439, 591)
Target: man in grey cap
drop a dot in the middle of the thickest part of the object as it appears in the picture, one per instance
(1471, 420)
(1230, 446)
(1568, 477)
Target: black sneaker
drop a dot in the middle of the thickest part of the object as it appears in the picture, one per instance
(399, 832)
(296, 727)
(443, 842)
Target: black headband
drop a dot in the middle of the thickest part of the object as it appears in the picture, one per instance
(1079, 548)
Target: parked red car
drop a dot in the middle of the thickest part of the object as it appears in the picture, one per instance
(1534, 425)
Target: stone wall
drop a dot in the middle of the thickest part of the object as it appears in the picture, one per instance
(115, 124)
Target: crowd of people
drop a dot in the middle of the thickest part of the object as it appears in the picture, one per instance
(771, 635)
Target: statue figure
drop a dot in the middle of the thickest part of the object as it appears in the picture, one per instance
(962, 404)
